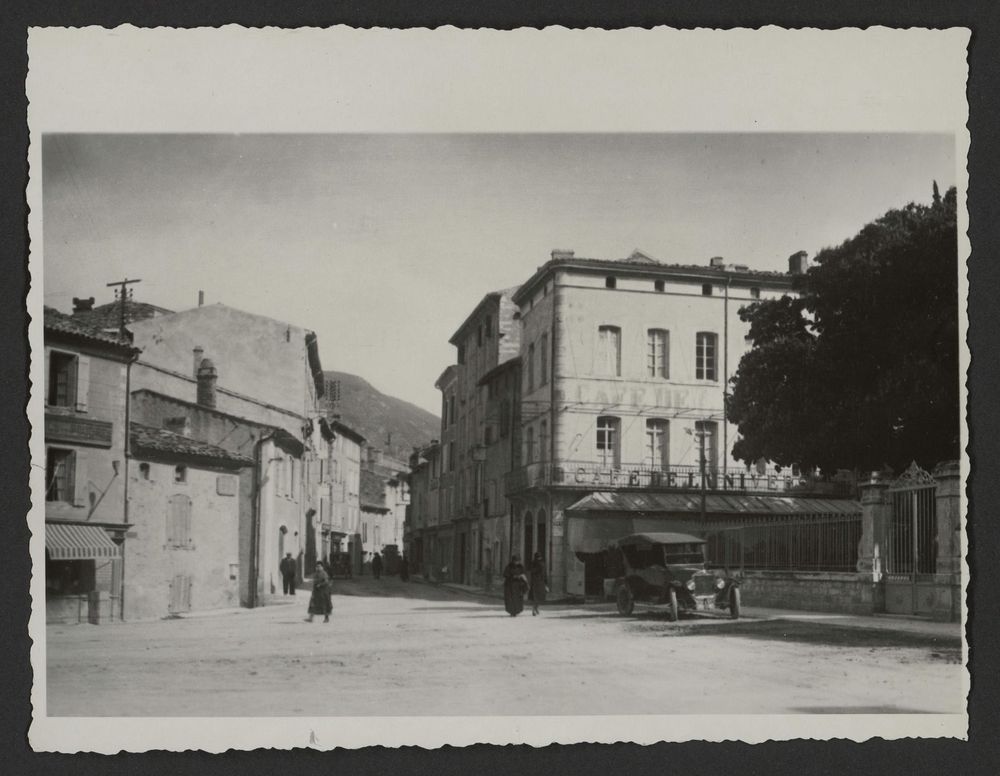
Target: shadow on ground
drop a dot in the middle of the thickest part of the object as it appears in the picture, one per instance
(944, 648)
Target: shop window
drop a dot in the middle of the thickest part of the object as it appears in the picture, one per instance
(70, 577)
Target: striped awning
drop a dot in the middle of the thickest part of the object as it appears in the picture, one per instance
(78, 542)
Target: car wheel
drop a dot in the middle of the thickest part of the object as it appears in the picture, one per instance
(734, 603)
(625, 601)
(674, 612)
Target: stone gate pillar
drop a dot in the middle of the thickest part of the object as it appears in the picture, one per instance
(875, 515)
(949, 530)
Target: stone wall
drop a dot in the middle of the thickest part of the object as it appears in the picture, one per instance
(817, 591)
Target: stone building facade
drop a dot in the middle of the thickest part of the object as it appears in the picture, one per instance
(87, 373)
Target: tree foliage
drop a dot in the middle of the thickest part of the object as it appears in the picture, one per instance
(859, 371)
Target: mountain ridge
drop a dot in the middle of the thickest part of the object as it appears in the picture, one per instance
(387, 422)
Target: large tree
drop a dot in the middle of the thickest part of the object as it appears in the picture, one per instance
(860, 370)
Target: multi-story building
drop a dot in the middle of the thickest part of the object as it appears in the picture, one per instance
(489, 336)
(625, 367)
(86, 516)
(260, 370)
(343, 531)
(438, 547)
(423, 510)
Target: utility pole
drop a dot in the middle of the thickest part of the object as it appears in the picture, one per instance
(123, 295)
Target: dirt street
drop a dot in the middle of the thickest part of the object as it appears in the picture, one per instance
(412, 649)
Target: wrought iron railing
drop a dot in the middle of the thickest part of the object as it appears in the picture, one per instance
(817, 544)
(643, 476)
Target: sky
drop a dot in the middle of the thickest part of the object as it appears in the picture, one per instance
(382, 244)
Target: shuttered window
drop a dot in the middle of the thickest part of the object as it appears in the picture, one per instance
(179, 522)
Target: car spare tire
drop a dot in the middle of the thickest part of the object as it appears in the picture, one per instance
(625, 601)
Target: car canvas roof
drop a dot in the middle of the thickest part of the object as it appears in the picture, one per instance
(660, 538)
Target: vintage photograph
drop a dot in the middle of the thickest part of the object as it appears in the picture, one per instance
(369, 424)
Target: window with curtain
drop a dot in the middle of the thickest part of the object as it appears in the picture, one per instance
(609, 351)
(658, 353)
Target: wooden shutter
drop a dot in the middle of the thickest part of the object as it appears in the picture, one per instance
(76, 477)
(82, 382)
(179, 521)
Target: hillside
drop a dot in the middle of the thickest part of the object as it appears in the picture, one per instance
(380, 417)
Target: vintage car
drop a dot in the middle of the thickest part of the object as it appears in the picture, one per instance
(340, 565)
(666, 572)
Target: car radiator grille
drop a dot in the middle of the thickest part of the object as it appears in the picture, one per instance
(704, 585)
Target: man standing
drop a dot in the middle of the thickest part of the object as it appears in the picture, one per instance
(287, 569)
(377, 566)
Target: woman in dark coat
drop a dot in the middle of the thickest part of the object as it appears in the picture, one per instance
(319, 601)
(514, 584)
(537, 583)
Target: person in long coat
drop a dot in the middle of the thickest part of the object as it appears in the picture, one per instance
(537, 583)
(514, 585)
(319, 601)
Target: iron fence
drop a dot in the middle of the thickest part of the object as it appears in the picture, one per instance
(823, 543)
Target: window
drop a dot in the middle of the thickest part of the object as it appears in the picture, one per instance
(180, 474)
(657, 353)
(62, 379)
(707, 434)
(705, 355)
(543, 360)
(608, 441)
(657, 443)
(451, 410)
(658, 285)
(609, 351)
(529, 445)
(531, 366)
(543, 440)
(144, 471)
(179, 522)
(610, 282)
(706, 289)
(59, 471)
(755, 292)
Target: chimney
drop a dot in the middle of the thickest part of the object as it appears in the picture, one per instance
(562, 254)
(798, 263)
(179, 425)
(201, 298)
(206, 383)
(83, 305)
(198, 354)
(717, 261)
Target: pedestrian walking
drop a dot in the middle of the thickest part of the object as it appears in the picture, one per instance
(538, 583)
(319, 601)
(514, 586)
(377, 566)
(287, 569)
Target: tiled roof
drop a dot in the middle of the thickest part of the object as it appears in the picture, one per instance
(159, 440)
(57, 322)
(108, 316)
(372, 490)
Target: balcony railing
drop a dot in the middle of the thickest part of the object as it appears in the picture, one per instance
(641, 476)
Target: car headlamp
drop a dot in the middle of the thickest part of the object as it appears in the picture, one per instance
(719, 583)
(689, 584)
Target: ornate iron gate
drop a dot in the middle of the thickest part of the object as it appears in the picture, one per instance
(911, 543)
